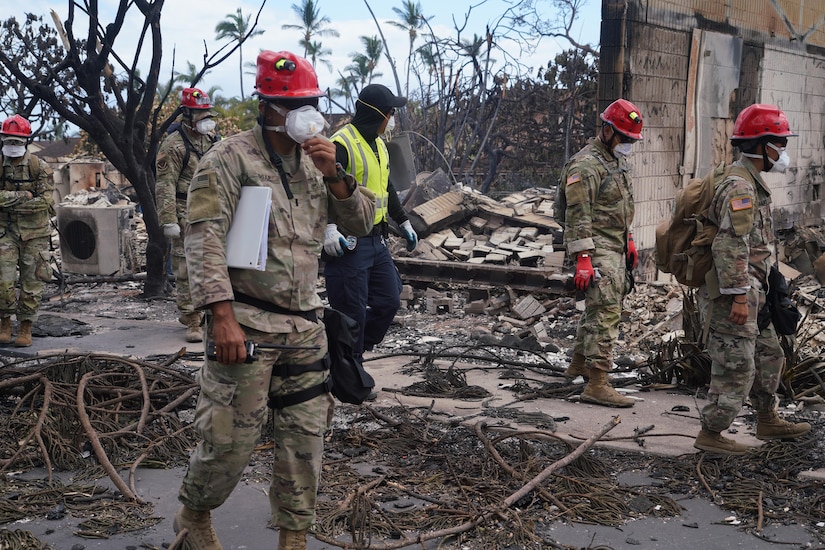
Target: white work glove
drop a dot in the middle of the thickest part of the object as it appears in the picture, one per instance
(334, 242)
(171, 230)
(410, 235)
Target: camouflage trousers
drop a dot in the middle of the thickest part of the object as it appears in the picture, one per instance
(231, 412)
(186, 309)
(598, 327)
(744, 360)
(30, 257)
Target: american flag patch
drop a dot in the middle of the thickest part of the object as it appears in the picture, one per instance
(741, 204)
(573, 178)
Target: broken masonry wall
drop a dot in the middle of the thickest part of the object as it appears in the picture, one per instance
(691, 66)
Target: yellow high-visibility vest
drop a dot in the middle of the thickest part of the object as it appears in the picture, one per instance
(370, 171)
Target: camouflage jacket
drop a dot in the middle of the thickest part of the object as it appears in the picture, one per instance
(28, 218)
(744, 247)
(172, 181)
(296, 231)
(599, 194)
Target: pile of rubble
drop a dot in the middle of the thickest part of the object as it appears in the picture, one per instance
(469, 238)
(504, 261)
(516, 299)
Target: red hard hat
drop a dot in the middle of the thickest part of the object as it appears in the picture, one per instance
(284, 75)
(16, 126)
(624, 117)
(195, 98)
(759, 120)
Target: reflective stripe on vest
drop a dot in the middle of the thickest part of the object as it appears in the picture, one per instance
(370, 171)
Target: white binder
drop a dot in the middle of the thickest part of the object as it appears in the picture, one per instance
(246, 239)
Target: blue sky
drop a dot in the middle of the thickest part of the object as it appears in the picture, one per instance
(186, 25)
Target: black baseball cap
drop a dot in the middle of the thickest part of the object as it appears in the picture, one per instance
(380, 97)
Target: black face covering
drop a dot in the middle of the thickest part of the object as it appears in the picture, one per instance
(367, 120)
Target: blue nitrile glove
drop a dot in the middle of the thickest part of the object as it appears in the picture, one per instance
(334, 242)
(410, 235)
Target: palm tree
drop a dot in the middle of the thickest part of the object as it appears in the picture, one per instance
(312, 24)
(346, 84)
(252, 68)
(189, 76)
(236, 27)
(316, 53)
(474, 49)
(412, 19)
(373, 49)
(359, 70)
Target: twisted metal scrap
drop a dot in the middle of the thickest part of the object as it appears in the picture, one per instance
(21, 540)
(57, 410)
(685, 361)
(451, 383)
(108, 513)
(761, 485)
(457, 482)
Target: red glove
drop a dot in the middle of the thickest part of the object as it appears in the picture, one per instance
(585, 274)
(632, 255)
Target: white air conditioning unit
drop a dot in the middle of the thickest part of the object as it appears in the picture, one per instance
(96, 240)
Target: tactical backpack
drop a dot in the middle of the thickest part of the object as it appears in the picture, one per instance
(683, 242)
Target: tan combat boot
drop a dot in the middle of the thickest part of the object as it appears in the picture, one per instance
(194, 333)
(202, 535)
(769, 425)
(599, 391)
(24, 335)
(577, 368)
(5, 330)
(715, 442)
(292, 540)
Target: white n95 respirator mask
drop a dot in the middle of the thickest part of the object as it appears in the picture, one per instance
(300, 124)
(14, 151)
(205, 126)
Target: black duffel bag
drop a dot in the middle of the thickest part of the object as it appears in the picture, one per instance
(779, 309)
(350, 382)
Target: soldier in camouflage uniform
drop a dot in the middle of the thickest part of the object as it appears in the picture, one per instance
(599, 195)
(278, 306)
(25, 208)
(745, 359)
(177, 159)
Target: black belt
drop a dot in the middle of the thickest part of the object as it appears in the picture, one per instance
(379, 230)
(310, 315)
